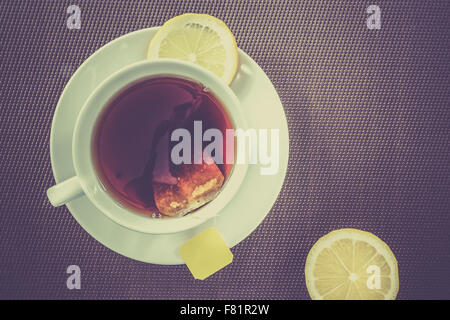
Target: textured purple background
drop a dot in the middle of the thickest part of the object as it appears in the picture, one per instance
(369, 120)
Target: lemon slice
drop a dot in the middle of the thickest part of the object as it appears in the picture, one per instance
(198, 38)
(351, 264)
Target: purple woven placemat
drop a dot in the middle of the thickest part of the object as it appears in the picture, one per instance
(369, 120)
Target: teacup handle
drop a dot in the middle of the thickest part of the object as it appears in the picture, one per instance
(65, 191)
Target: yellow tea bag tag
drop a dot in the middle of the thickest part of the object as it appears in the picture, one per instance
(206, 253)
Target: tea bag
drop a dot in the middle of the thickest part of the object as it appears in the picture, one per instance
(197, 184)
(158, 167)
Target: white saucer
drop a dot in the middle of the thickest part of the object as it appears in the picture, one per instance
(236, 221)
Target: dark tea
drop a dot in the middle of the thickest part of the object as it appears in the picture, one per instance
(132, 145)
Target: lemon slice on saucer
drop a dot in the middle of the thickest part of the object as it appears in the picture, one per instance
(198, 38)
(350, 264)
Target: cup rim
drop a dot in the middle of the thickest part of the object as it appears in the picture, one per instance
(84, 130)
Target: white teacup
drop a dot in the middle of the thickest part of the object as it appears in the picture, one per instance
(86, 181)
